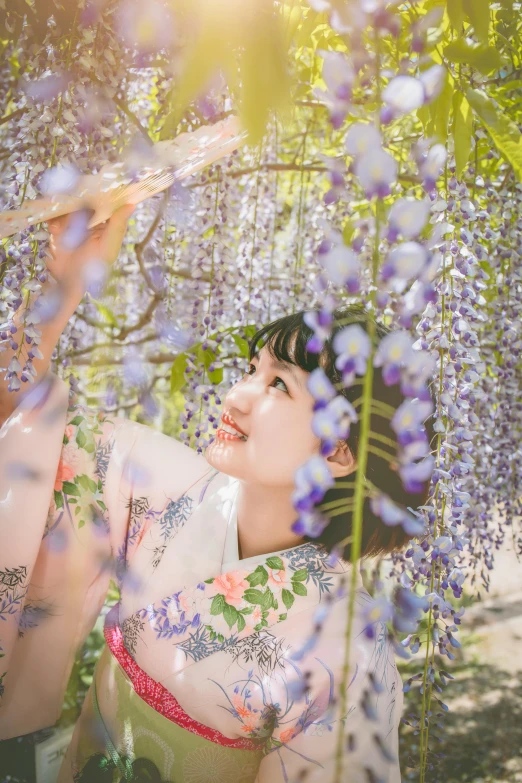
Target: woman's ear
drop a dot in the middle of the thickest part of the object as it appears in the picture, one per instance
(341, 461)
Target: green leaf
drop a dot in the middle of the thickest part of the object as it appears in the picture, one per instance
(503, 131)
(300, 575)
(87, 483)
(514, 84)
(268, 599)
(482, 57)
(208, 356)
(462, 131)
(284, 616)
(424, 116)
(242, 344)
(240, 622)
(455, 13)
(230, 614)
(258, 577)
(58, 499)
(81, 440)
(477, 12)
(348, 232)
(105, 312)
(70, 489)
(440, 109)
(308, 27)
(250, 331)
(247, 610)
(81, 523)
(77, 420)
(177, 373)
(254, 596)
(218, 604)
(220, 638)
(275, 562)
(216, 376)
(288, 598)
(299, 589)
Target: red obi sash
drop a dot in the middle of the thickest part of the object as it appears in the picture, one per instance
(157, 696)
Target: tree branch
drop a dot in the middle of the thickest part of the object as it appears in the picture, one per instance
(13, 115)
(158, 358)
(145, 317)
(96, 346)
(139, 247)
(125, 109)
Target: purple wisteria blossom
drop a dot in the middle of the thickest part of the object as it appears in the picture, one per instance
(332, 423)
(407, 218)
(377, 172)
(311, 480)
(392, 515)
(352, 346)
(320, 321)
(321, 388)
(403, 264)
(338, 75)
(394, 352)
(342, 265)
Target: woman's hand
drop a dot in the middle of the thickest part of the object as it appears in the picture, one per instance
(72, 246)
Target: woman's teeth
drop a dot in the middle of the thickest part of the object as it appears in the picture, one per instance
(232, 431)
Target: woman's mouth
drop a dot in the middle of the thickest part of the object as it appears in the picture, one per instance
(226, 432)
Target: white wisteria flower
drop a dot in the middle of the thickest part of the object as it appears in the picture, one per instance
(360, 138)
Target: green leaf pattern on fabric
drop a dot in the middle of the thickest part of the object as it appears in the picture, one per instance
(78, 488)
(267, 592)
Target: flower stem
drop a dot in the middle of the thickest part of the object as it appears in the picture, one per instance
(362, 461)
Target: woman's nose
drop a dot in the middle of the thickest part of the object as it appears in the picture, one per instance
(242, 395)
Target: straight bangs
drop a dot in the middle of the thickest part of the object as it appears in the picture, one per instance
(287, 337)
(286, 340)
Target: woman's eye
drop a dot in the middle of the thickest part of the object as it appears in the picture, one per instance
(251, 368)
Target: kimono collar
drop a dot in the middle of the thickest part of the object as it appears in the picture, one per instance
(236, 598)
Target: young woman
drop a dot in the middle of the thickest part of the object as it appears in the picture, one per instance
(224, 656)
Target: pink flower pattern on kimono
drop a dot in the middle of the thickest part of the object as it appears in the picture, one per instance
(231, 586)
(287, 735)
(64, 473)
(278, 579)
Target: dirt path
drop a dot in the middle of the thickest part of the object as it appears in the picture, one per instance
(482, 732)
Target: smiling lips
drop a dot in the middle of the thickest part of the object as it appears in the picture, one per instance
(229, 430)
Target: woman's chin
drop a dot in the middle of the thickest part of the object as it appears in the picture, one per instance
(223, 456)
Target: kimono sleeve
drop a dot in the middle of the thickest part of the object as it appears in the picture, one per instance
(304, 746)
(66, 489)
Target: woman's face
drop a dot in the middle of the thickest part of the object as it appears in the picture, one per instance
(274, 409)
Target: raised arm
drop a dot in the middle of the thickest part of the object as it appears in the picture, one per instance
(72, 513)
(63, 291)
(54, 478)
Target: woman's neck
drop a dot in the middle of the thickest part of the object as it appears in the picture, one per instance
(264, 520)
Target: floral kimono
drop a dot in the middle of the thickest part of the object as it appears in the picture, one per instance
(212, 671)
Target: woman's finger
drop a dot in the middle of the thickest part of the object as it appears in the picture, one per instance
(116, 228)
(57, 224)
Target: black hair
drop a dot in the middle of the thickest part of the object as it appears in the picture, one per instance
(286, 339)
